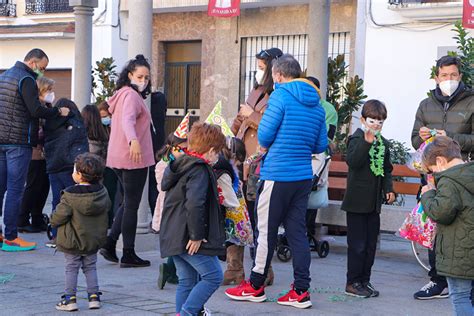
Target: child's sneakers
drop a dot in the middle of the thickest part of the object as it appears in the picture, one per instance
(1, 240)
(17, 244)
(67, 304)
(357, 289)
(292, 298)
(94, 300)
(245, 292)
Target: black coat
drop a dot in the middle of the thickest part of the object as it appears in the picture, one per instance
(191, 209)
(365, 192)
(158, 117)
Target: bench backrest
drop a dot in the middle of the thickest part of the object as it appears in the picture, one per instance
(338, 178)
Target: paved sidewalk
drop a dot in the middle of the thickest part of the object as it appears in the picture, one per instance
(37, 283)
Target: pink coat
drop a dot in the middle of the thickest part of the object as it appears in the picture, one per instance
(160, 201)
(130, 120)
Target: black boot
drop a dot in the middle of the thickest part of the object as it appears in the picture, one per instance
(108, 251)
(131, 260)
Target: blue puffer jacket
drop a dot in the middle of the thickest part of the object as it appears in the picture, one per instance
(292, 128)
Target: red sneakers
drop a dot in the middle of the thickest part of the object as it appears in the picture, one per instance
(295, 300)
(245, 292)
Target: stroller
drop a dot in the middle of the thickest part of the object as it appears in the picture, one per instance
(283, 250)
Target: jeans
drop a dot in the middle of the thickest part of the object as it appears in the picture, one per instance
(459, 292)
(14, 161)
(35, 195)
(362, 233)
(88, 265)
(199, 277)
(125, 221)
(59, 181)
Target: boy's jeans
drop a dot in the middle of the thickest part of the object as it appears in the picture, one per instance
(59, 181)
(88, 265)
(460, 292)
(14, 161)
(199, 277)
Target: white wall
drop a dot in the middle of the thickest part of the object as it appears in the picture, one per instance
(397, 67)
(59, 51)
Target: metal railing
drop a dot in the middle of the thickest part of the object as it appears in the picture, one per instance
(47, 6)
(7, 9)
(401, 2)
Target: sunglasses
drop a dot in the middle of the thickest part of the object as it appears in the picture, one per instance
(266, 55)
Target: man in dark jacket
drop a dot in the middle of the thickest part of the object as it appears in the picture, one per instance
(20, 109)
(448, 111)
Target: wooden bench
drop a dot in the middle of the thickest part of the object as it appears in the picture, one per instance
(391, 216)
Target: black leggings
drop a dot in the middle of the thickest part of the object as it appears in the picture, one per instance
(125, 221)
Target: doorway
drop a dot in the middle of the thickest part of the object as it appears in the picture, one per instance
(182, 82)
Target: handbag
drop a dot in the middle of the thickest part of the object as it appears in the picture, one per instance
(418, 227)
(237, 223)
(318, 198)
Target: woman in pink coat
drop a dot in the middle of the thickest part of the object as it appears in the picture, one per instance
(129, 154)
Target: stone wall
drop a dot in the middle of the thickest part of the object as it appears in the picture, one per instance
(221, 43)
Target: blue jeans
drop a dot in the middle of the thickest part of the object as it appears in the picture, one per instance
(59, 181)
(199, 277)
(460, 292)
(14, 161)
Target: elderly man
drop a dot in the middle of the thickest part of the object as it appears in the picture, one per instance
(447, 111)
(20, 109)
(292, 128)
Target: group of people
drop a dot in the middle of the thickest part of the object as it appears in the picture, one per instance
(201, 175)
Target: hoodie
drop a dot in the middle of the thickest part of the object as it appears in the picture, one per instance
(292, 128)
(191, 209)
(82, 219)
(130, 120)
(451, 206)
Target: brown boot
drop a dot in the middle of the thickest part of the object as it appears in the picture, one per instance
(234, 274)
(270, 276)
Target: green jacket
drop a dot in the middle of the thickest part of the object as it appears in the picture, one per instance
(451, 206)
(82, 220)
(457, 120)
(331, 119)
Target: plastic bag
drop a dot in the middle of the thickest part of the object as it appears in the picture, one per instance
(415, 160)
(418, 227)
(237, 224)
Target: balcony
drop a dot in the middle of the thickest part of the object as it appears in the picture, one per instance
(7, 10)
(428, 10)
(47, 6)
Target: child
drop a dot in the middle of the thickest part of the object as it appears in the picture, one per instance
(174, 147)
(369, 183)
(192, 225)
(81, 219)
(228, 183)
(451, 206)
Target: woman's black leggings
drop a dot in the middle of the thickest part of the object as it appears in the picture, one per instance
(125, 221)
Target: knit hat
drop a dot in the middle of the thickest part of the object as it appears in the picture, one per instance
(270, 53)
(183, 128)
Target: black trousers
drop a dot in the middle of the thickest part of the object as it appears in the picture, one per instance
(152, 190)
(125, 221)
(362, 233)
(434, 277)
(35, 195)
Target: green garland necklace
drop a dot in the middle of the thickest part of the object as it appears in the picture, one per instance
(376, 154)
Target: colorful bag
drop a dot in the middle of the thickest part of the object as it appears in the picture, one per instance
(237, 224)
(418, 227)
(415, 161)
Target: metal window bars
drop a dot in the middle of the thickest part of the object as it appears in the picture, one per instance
(47, 6)
(8, 9)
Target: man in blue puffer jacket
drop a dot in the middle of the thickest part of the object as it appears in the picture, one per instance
(292, 128)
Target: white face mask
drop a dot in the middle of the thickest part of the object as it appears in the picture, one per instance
(449, 86)
(259, 76)
(141, 86)
(49, 97)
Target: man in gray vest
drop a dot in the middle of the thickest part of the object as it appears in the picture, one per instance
(20, 110)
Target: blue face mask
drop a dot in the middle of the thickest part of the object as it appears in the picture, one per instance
(106, 120)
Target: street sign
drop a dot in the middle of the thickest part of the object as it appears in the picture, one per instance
(468, 14)
(223, 8)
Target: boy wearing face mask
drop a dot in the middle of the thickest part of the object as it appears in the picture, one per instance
(369, 183)
(449, 112)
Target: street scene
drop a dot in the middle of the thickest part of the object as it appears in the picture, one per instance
(237, 157)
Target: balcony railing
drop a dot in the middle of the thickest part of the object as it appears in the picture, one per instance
(47, 6)
(7, 9)
(401, 2)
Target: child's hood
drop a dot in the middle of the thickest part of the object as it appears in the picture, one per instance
(177, 169)
(461, 174)
(89, 204)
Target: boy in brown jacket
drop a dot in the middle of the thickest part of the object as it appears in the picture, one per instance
(81, 219)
